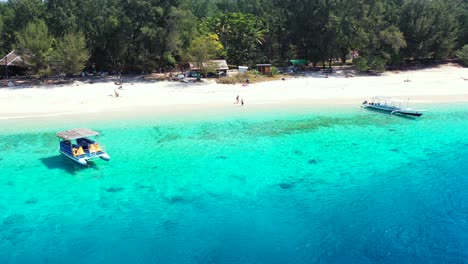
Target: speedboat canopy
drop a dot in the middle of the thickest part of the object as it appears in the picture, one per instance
(77, 133)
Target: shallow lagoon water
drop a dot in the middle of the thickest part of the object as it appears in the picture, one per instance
(279, 187)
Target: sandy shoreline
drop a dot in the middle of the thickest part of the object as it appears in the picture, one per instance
(436, 85)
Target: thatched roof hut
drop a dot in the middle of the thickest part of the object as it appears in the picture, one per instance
(13, 59)
(219, 65)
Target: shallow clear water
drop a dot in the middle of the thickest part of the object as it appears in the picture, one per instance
(302, 187)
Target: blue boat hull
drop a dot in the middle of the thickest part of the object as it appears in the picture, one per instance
(392, 111)
(81, 161)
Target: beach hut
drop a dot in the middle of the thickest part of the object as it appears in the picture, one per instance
(264, 68)
(217, 65)
(13, 63)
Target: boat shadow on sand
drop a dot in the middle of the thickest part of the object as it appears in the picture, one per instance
(62, 163)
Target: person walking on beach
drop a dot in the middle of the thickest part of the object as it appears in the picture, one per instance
(237, 99)
(242, 101)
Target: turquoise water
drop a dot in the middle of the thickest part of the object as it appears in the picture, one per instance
(302, 187)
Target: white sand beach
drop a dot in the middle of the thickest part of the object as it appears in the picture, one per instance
(446, 83)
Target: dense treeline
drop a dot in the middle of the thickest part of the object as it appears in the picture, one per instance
(148, 35)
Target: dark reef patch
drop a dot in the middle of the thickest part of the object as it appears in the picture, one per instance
(169, 137)
(241, 178)
(142, 186)
(176, 199)
(312, 161)
(114, 189)
(14, 219)
(298, 152)
(31, 201)
(286, 127)
(286, 185)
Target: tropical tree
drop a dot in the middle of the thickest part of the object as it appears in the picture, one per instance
(2, 50)
(241, 34)
(16, 15)
(379, 40)
(105, 27)
(35, 43)
(62, 16)
(204, 48)
(180, 32)
(71, 54)
(430, 29)
(463, 23)
(141, 35)
(462, 54)
(201, 8)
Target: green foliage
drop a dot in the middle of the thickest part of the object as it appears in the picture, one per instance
(16, 15)
(364, 64)
(35, 43)
(429, 27)
(392, 40)
(255, 72)
(136, 35)
(201, 8)
(461, 9)
(377, 64)
(274, 71)
(204, 48)
(71, 54)
(462, 54)
(169, 58)
(2, 44)
(241, 34)
(361, 64)
(62, 16)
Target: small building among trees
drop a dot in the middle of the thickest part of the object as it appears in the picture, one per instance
(264, 68)
(12, 64)
(210, 66)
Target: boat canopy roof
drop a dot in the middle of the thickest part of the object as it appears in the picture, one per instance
(77, 133)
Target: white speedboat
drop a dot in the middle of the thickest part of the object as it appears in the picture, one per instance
(390, 106)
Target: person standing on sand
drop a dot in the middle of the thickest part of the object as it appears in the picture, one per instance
(237, 99)
(242, 101)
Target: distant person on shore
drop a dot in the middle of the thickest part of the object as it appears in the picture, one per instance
(242, 101)
(116, 93)
(237, 99)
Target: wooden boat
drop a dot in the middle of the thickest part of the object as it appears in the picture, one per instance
(76, 145)
(390, 106)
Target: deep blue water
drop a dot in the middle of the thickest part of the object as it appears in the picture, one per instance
(303, 187)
